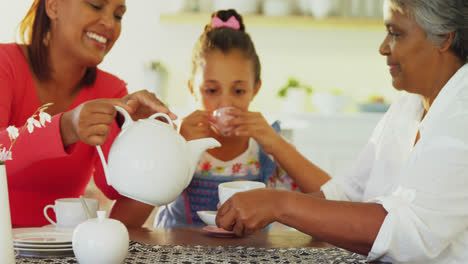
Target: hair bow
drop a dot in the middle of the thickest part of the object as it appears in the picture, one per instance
(232, 22)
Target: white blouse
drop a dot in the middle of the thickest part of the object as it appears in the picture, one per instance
(423, 187)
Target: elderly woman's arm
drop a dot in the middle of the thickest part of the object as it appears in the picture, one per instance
(425, 214)
(353, 226)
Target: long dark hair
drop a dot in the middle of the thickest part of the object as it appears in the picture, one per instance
(34, 32)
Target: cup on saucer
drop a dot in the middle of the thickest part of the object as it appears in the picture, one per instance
(228, 189)
(208, 217)
(69, 212)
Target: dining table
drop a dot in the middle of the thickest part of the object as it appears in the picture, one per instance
(196, 245)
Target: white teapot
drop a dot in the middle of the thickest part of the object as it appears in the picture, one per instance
(150, 162)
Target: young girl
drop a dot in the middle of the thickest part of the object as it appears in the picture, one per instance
(226, 73)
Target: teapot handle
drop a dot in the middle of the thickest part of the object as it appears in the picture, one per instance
(127, 121)
(127, 118)
(169, 120)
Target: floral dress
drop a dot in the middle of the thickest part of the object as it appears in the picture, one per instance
(202, 193)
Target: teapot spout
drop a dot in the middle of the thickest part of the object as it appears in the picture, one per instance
(198, 146)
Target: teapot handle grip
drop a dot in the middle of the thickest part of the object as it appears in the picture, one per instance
(127, 118)
(169, 120)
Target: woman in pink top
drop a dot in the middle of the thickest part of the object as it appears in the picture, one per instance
(65, 41)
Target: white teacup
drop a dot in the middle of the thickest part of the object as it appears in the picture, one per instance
(69, 212)
(227, 189)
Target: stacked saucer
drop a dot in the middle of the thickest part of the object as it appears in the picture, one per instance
(43, 242)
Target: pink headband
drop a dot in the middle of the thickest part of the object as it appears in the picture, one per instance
(232, 22)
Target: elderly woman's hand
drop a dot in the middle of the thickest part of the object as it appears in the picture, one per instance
(248, 212)
(144, 103)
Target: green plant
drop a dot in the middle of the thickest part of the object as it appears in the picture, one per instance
(293, 84)
(157, 66)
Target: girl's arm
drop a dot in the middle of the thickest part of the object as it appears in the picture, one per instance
(307, 176)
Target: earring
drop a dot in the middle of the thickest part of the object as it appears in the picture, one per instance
(46, 39)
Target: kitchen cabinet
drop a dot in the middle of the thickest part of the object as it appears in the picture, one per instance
(332, 142)
(293, 21)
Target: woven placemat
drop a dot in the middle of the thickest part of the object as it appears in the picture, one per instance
(145, 254)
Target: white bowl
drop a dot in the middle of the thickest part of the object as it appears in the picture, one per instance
(208, 217)
(227, 189)
(320, 8)
(373, 107)
(241, 6)
(328, 103)
(277, 7)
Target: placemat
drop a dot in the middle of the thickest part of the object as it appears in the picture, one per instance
(145, 254)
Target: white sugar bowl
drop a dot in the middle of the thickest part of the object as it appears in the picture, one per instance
(100, 240)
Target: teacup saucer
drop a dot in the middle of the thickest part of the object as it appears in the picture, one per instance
(219, 232)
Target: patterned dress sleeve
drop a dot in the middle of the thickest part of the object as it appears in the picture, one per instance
(281, 180)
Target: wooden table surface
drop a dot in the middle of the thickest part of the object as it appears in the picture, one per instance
(193, 237)
(198, 237)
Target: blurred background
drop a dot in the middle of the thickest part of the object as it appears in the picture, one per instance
(329, 45)
(322, 74)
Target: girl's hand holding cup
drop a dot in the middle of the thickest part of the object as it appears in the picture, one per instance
(196, 125)
(253, 124)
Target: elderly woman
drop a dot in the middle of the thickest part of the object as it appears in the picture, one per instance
(406, 198)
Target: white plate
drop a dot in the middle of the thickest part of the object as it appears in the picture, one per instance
(44, 235)
(39, 246)
(45, 249)
(44, 253)
(208, 217)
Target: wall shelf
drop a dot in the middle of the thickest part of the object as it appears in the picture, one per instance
(284, 21)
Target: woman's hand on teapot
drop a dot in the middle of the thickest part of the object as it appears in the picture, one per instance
(90, 121)
(144, 103)
(253, 124)
(196, 125)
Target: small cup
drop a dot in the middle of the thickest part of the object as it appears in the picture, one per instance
(227, 189)
(220, 119)
(69, 212)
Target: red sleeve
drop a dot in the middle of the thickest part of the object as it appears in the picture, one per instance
(120, 90)
(6, 87)
(44, 142)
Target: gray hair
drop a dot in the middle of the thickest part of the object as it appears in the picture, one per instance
(439, 17)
